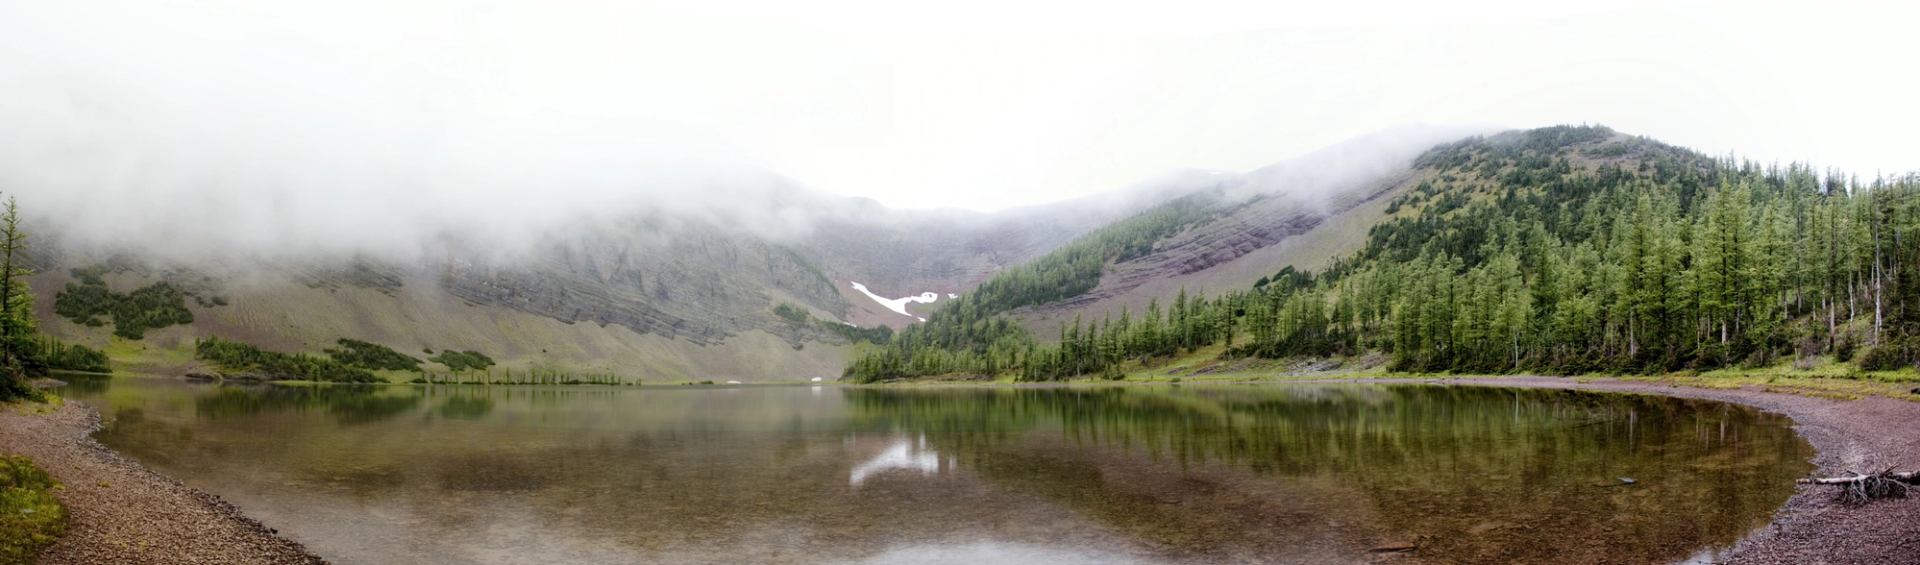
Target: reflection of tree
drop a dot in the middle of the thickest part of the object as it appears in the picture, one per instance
(466, 407)
(348, 405)
(1459, 464)
(1225, 474)
(84, 384)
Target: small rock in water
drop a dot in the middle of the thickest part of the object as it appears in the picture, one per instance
(1628, 481)
(1915, 391)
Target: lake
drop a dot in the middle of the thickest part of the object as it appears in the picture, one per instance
(1111, 474)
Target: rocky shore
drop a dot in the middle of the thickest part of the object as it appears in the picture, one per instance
(1867, 435)
(121, 512)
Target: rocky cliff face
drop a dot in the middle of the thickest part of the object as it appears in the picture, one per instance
(699, 283)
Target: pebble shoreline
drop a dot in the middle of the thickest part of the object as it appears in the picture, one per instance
(121, 512)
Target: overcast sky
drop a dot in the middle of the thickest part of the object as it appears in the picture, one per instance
(982, 104)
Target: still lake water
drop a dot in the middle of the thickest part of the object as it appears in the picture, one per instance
(1228, 473)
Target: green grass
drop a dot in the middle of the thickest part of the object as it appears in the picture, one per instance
(30, 517)
(130, 356)
(1823, 377)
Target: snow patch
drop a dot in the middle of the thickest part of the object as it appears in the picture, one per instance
(899, 305)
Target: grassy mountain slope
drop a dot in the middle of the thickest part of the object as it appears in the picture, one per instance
(1559, 249)
(1239, 246)
(661, 295)
(906, 252)
(1215, 237)
(285, 315)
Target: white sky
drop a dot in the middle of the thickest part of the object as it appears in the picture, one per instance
(981, 104)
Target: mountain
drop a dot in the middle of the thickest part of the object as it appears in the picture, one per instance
(1490, 253)
(660, 294)
(1302, 213)
(1564, 249)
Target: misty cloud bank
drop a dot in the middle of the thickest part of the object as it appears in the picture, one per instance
(1347, 165)
(137, 124)
(126, 125)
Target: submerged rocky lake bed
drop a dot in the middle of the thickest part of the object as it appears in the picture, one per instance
(1216, 473)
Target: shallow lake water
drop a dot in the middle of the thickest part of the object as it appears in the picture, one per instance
(1147, 474)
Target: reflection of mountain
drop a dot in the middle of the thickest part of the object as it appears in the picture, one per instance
(1458, 465)
(1219, 474)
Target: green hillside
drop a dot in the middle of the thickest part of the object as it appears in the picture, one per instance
(1566, 249)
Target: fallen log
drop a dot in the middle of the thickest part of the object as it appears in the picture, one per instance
(1908, 477)
(1859, 488)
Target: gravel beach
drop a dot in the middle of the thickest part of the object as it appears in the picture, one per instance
(121, 512)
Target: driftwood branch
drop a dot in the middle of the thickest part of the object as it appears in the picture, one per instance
(1860, 488)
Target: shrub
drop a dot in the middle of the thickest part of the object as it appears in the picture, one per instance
(30, 517)
(1890, 356)
(88, 301)
(243, 358)
(458, 361)
(14, 386)
(58, 355)
(372, 356)
(791, 313)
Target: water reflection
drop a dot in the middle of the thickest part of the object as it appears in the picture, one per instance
(466, 407)
(901, 455)
(349, 405)
(83, 383)
(1476, 473)
(805, 474)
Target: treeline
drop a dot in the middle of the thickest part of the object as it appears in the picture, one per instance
(372, 356)
(26, 353)
(354, 361)
(246, 359)
(969, 335)
(532, 376)
(462, 361)
(1560, 250)
(89, 302)
(1075, 269)
(800, 318)
(62, 356)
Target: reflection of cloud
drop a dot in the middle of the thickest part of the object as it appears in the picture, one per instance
(902, 454)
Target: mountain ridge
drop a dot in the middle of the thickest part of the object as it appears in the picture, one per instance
(1561, 249)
